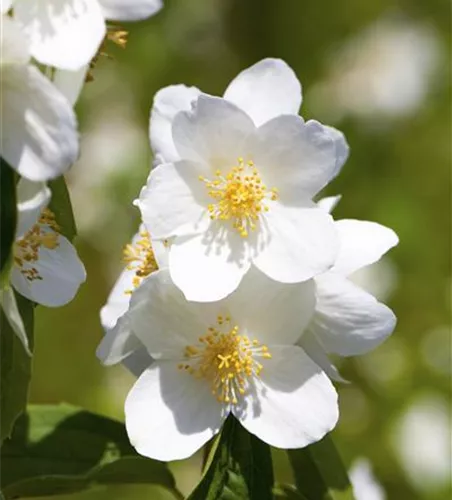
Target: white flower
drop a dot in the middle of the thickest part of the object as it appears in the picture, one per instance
(46, 268)
(233, 356)
(39, 135)
(238, 181)
(349, 321)
(66, 34)
(119, 344)
(365, 486)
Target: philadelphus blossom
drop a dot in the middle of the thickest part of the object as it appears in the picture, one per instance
(142, 258)
(235, 182)
(39, 135)
(348, 321)
(66, 34)
(46, 268)
(234, 356)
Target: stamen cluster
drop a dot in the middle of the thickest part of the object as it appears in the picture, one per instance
(139, 256)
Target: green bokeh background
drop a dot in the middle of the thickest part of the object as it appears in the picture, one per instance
(398, 174)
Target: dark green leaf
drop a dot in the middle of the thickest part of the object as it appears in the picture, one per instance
(15, 368)
(8, 217)
(240, 467)
(60, 205)
(62, 449)
(319, 472)
(287, 492)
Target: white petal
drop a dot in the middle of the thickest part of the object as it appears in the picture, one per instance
(170, 414)
(162, 319)
(267, 89)
(295, 157)
(118, 343)
(296, 402)
(361, 243)
(64, 33)
(167, 103)
(349, 321)
(296, 243)
(209, 266)
(10, 309)
(329, 203)
(269, 311)
(138, 361)
(5, 5)
(168, 201)
(365, 485)
(118, 300)
(213, 132)
(61, 271)
(32, 198)
(130, 10)
(341, 146)
(41, 141)
(70, 83)
(312, 347)
(14, 47)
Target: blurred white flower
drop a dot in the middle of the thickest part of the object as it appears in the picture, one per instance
(365, 485)
(66, 34)
(233, 356)
(39, 133)
(384, 71)
(241, 172)
(348, 321)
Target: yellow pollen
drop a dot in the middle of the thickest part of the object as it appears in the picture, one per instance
(139, 257)
(240, 196)
(226, 359)
(45, 234)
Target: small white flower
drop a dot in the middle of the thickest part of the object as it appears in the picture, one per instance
(365, 485)
(66, 34)
(46, 268)
(236, 183)
(349, 321)
(39, 135)
(233, 356)
(119, 344)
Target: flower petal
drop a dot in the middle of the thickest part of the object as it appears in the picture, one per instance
(208, 267)
(168, 202)
(349, 321)
(13, 45)
(296, 243)
(10, 309)
(296, 402)
(170, 414)
(167, 103)
(130, 10)
(162, 319)
(138, 361)
(329, 203)
(361, 243)
(118, 343)
(341, 146)
(32, 198)
(70, 83)
(64, 33)
(269, 311)
(5, 6)
(297, 158)
(213, 132)
(61, 271)
(41, 141)
(312, 347)
(267, 89)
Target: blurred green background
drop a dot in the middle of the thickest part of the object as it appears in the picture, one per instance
(377, 70)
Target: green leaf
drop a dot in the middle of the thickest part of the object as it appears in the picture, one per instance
(319, 472)
(60, 204)
(8, 218)
(15, 367)
(239, 468)
(61, 449)
(287, 492)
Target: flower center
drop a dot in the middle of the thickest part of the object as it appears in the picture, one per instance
(45, 234)
(239, 196)
(139, 257)
(227, 359)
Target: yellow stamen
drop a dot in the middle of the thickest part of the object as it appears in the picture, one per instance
(139, 256)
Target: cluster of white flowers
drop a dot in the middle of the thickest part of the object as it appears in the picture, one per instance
(39, 137)
(235, 290)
